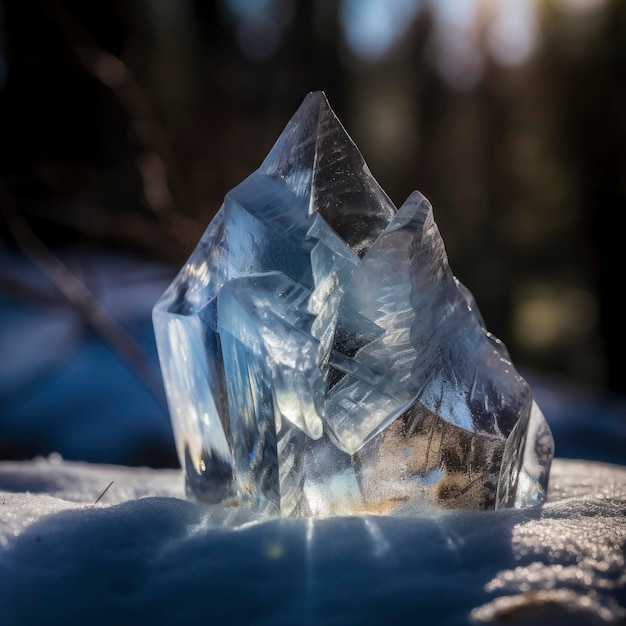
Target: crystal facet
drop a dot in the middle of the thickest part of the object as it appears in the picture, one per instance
(319, 356)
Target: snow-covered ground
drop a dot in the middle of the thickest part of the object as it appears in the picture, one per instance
(73, 551)
(145, 555)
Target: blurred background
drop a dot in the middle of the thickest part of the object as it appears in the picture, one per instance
(123, 124)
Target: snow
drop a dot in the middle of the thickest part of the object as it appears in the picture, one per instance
(144, 554)
(139, 552)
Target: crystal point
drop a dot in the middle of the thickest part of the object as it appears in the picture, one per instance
(320, 357)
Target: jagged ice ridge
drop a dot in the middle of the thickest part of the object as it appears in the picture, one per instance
(320, 357)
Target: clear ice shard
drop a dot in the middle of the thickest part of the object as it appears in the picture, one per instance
(319, 356)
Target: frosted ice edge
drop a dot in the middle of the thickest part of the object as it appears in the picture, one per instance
(319, 356)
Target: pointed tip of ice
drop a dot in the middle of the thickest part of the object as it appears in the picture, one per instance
(314, 106)
(318, 161)
(316, 97)
(417, 198)
(293, 155)
(292, 158)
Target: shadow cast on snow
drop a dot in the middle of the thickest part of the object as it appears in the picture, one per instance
(166, 560)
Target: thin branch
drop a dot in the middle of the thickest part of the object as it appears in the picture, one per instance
(102, 494)
(79, 297)
(112, 72)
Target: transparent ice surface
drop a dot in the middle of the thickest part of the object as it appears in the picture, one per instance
(320, 357)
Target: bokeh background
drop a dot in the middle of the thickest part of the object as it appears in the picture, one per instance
(123, 124)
